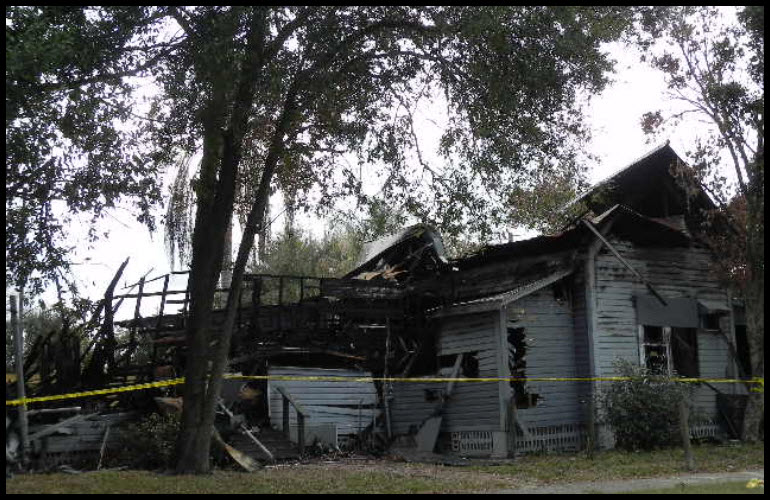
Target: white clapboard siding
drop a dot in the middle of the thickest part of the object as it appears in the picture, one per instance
(550, 341)
(674, 272)
(472, 406)
(350, 405)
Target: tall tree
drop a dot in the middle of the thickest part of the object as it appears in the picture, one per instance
(316, 82)
(715, 66)
(72, 142)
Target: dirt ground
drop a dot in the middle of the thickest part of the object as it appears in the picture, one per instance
(626, 485)
(513, 485)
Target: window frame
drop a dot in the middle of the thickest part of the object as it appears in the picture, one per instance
(666, 343)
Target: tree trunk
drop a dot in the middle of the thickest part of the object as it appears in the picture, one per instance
(208, 238)
(264, 236)
(755, 329)
(226, 276)
(254, 223)
(755, 406)
(216, 195)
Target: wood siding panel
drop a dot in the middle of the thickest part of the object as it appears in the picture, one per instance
(326, 401)
(472, 405)
(551, 352)
(673, 272)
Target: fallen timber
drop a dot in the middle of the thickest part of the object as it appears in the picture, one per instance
(288, 319)
(373, 322)
(277, 315)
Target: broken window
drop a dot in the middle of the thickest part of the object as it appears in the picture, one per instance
(655, 349)
(517, 363)
(684, 351)
(670, 350)
(423, 361)
(561, 292)
(469, 366)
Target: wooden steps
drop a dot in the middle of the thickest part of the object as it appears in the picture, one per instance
(281, 448)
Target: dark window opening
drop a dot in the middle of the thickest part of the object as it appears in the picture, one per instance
(559, 293)
(470, 365)
(655, 350)
(425, 361)
(447, 361)
(517, 362)
(653, 335)
(562, 291)
(742, 346)
(684, 351)
(670, 351)
(711, 321)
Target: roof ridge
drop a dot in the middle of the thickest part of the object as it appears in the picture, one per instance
(656, 149)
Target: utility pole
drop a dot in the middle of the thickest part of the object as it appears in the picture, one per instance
(18, 343)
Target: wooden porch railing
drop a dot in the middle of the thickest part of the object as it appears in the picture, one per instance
(302, 414)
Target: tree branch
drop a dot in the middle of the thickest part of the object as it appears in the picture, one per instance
(287, 30)
(72, 84)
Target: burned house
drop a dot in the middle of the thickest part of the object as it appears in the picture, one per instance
(532, 323)
(627, 281)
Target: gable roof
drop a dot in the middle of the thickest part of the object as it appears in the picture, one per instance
(647, 186)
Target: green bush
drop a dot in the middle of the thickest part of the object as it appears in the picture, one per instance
(644, 410)
(148, 444)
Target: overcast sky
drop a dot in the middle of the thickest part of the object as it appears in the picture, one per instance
(617, 141)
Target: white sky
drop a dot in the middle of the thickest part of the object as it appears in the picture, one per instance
(618, 140)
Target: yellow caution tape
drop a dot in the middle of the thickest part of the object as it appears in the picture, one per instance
(760, 382)
(96, 392)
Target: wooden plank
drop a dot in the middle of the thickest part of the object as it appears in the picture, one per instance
(50, 429)
(333, 410)
(288, 397)
(164, 295)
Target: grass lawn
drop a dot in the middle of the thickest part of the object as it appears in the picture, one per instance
(279, 480)
(381, 476)
(609, 465)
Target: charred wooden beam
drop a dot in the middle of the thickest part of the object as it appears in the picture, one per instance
(623, 261)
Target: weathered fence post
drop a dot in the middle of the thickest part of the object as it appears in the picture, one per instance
(684, 427)
(286, 430)
(18, 344)
(301, 432)
(591, 430)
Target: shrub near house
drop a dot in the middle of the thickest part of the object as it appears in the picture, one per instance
(642, 411)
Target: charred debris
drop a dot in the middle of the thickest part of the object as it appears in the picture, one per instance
(370, 322)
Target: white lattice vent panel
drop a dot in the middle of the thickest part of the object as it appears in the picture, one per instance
(471, 442)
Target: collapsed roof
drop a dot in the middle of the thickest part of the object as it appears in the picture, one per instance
(644, 203)
(414, 251)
